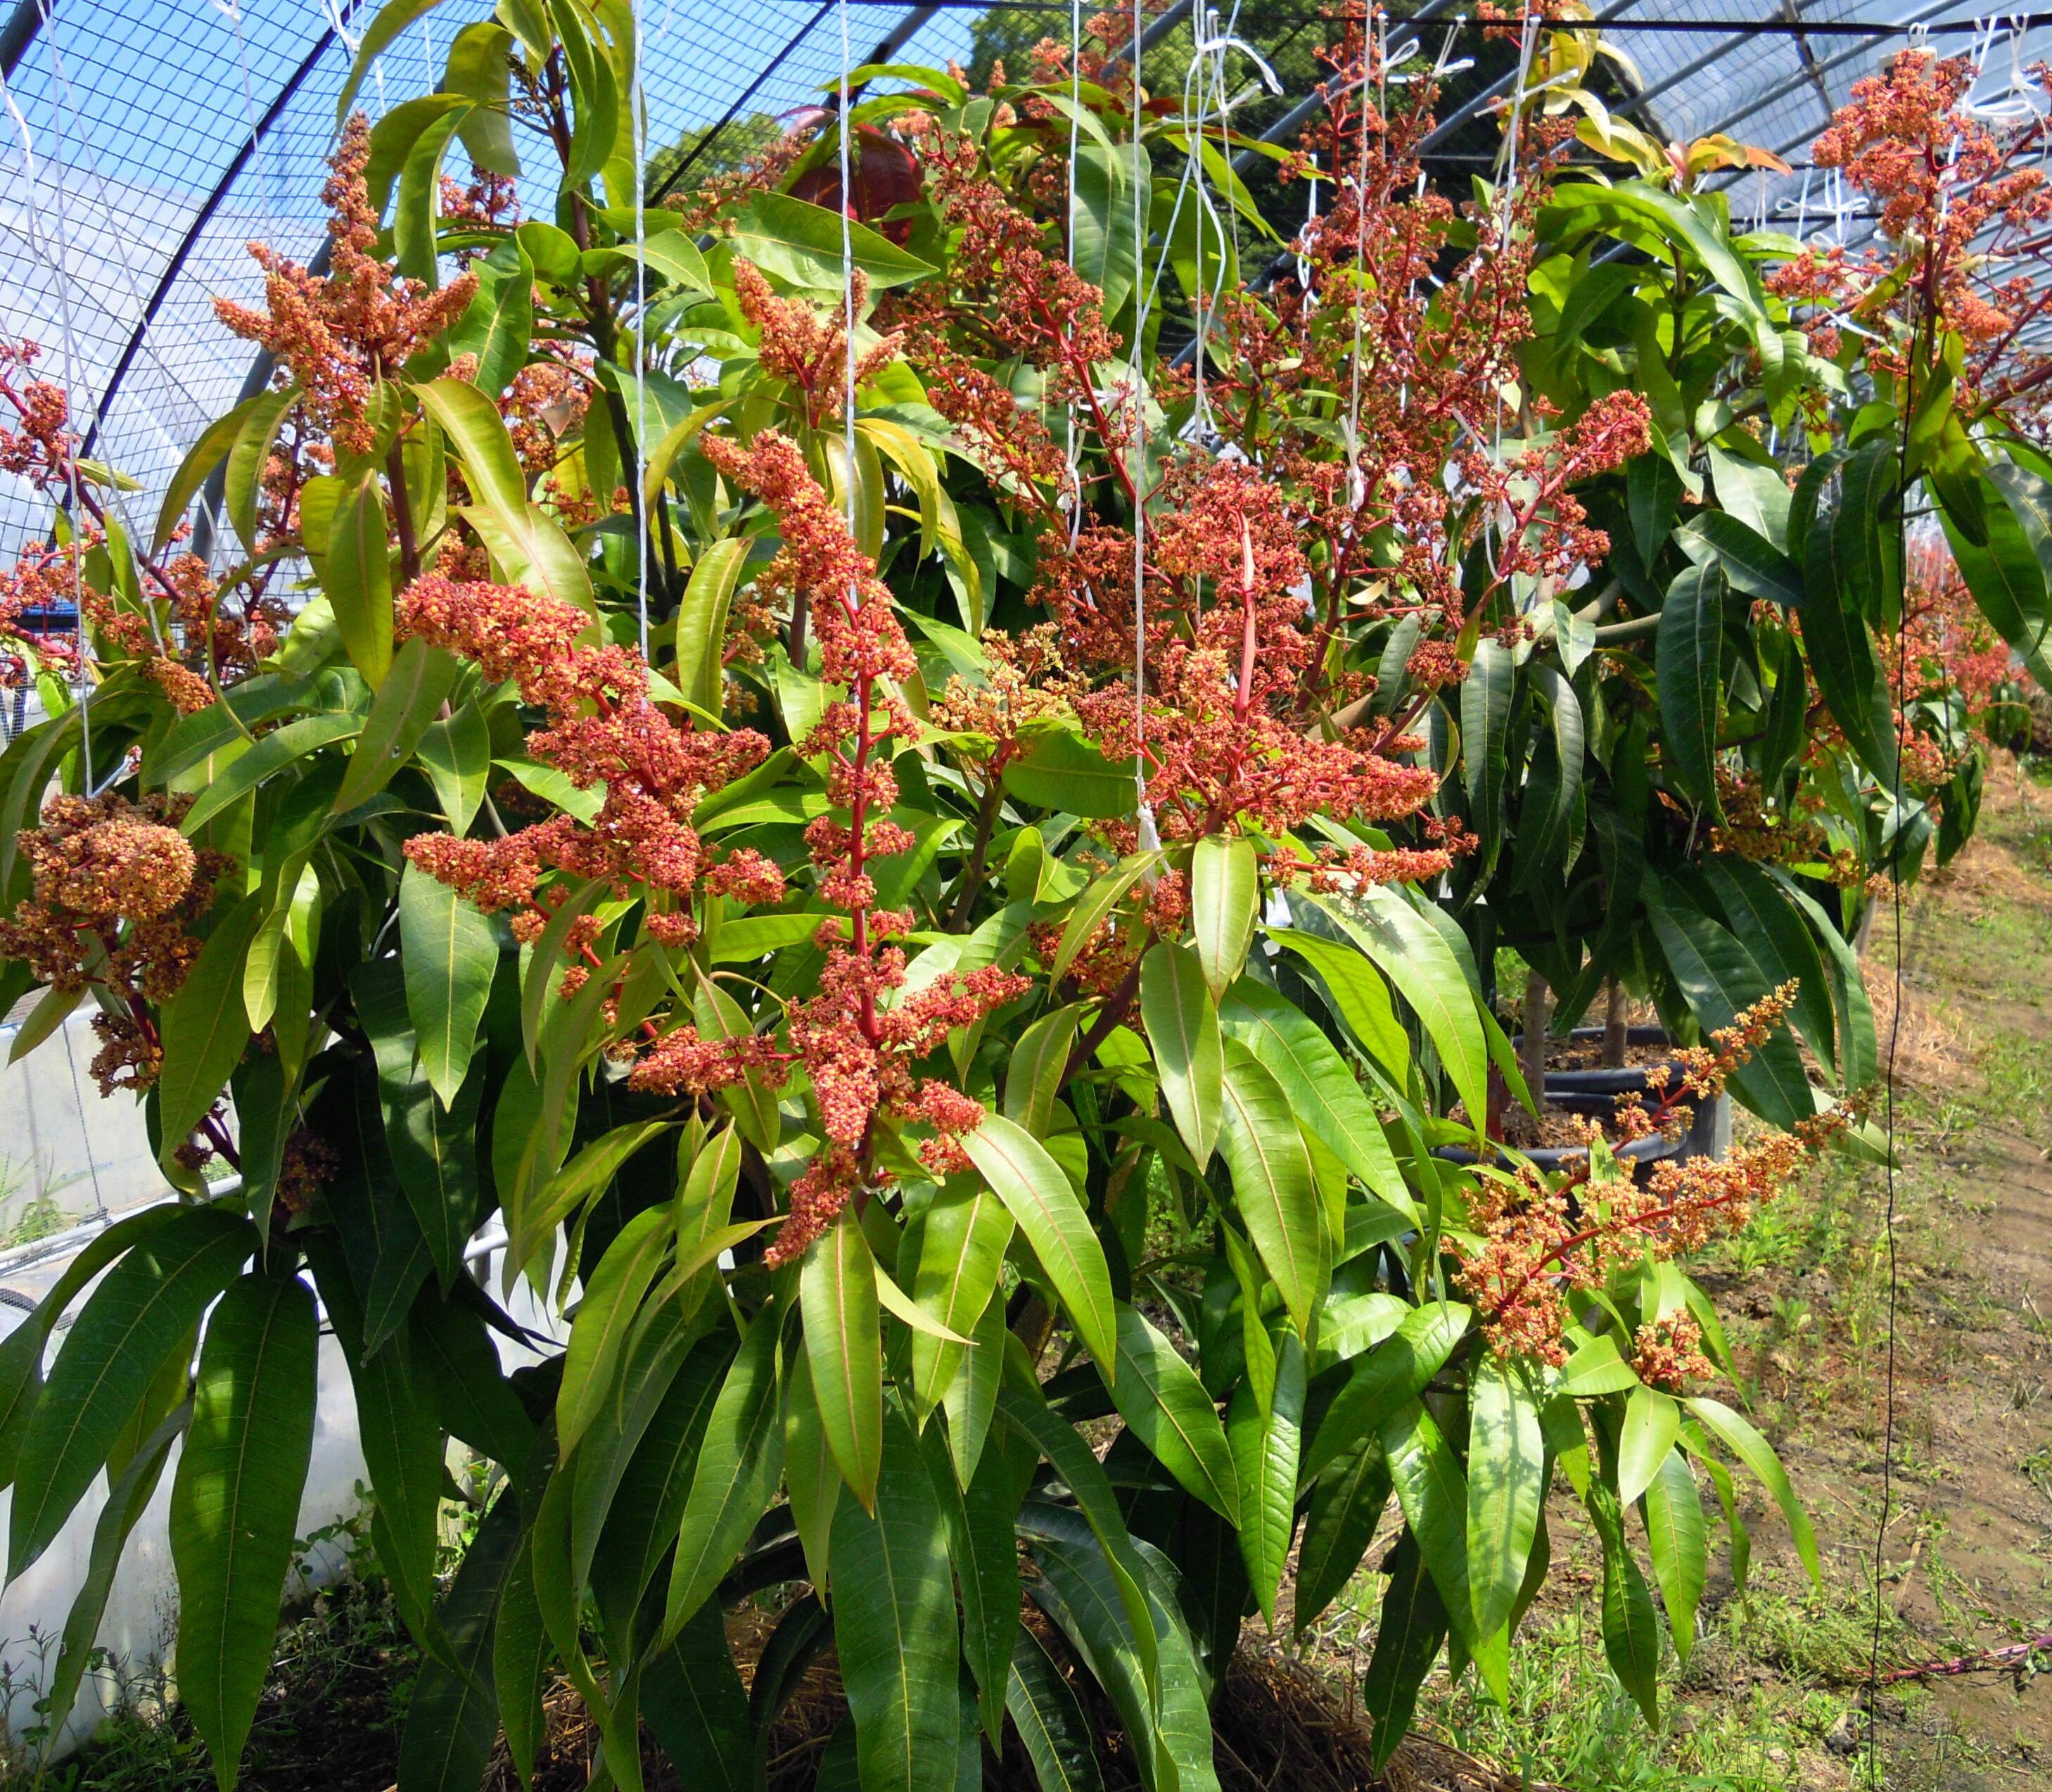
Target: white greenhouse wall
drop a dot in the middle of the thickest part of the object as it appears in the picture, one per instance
(93, 1157)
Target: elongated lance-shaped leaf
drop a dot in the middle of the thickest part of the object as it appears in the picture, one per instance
(1272, 1185)
(702, 621)
(452, 1718)
(1652, 1422)
(433, 1145)
(1433, 1492)
(837, 1297)
(1225, 891)
(1267, 1444)
(145, 1308)
(1391, 1374)
(1322, 1091)
(1674, 1514)
(451, 956)
(1506, 1476)
(1631, 1630)
(1486, 703)
(419, 682)
(127, 1496)
(1071, 1458)
(1690, 649)
(1409, 950)
(206, 1026)
(1044, 1201)
(235, 1503)
(1059, 1741)
(894, 1616)
(732, 1482)
(1347, 1504)
(962, 1256)
(1160, 1399)
(1182, 1026)
(604, 1318)
(1033, 1073)
(983, 1543)
(1409, 1628)
(693, 1701)
(1739, 1437)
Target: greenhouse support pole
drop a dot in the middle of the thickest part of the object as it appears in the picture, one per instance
(201, 219)
(18, 32)
(896, 39)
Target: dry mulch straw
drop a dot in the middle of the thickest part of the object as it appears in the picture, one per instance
(1281, 1727)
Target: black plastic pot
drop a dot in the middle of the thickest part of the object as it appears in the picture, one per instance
(1641, 1154)
(1710, 1131)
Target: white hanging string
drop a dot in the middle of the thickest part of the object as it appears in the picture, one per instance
(1073, 496)
(1150, 838)
(645, 500)
(847, 278)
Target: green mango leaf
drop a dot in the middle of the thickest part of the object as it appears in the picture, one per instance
(1485, 699)
(1719, 977)
(736, 1476)
(702, 621)
(895, 1626)
(451, 955)
(127, 1496)
(804, 244)
(452, 1717)
(1272, 1184)
(284, 747)
(141, 1312)
(1322, 1091)
(962, 1256)
(358, 565)
(413, 691)
(1182, 1028)
(1750, 563)
(1061, 770)
(1060, 1740)
(1433, 1492)
(235, 1503)
(1675, 1527)
(1841, 650)
(1159, 1395)
(1758, 1455)
(1506, 1485)
(1391, 1375)
(1347, 1504)
(1631, 1631)
(1414, 955)
(1409, 1628)
(837, 1297)
(2008, 574)
(1690, 649)
(1225, 890)
(1267, 1442)
(694, 1702)
(1054, 1222)
(612, 1294)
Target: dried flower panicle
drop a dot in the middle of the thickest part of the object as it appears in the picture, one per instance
(116, 890)
(339, 335)
(1540, 1240)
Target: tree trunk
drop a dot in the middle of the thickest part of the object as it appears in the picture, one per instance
(1617, 1032)
(1532, 1051)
